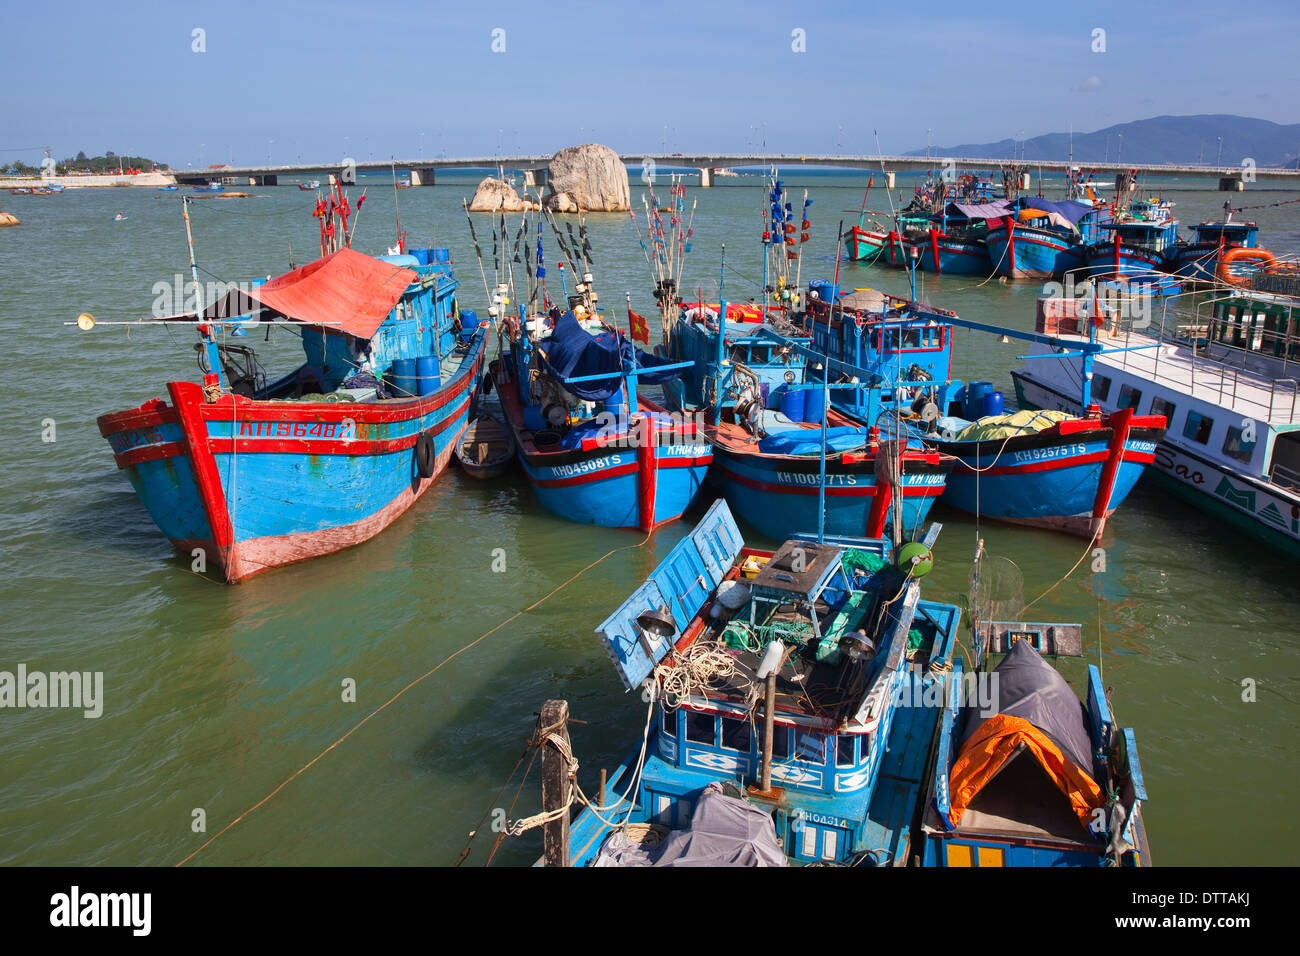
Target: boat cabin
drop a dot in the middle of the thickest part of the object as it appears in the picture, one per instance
(697, 632)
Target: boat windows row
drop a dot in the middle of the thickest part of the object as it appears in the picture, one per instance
(739, 734)
(1196, 427)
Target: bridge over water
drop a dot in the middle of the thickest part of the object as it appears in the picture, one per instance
(423, 172)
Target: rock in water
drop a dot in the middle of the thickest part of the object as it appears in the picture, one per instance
(497, 195)
(592, 175)
(561, 202)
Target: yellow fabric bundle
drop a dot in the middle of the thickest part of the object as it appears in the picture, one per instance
(1017, 423)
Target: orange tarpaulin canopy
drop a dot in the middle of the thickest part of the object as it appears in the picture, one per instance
(999, 739)
(345, 291)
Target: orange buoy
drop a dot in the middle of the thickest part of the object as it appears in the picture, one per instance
(1231, 271)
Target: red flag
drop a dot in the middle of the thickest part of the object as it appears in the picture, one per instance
(638, 326)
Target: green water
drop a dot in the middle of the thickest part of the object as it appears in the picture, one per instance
(214, 695)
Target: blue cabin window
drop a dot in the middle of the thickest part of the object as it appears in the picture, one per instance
(1160, 406)
(1100, 387)
(1198, 427)
(701, 728)
(809, 747)
(1129, 397)
(928, 338)
(736, 734)
(1235, 446)
(669, 722)
(846, 750)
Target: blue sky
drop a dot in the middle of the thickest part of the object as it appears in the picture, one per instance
(374, 80)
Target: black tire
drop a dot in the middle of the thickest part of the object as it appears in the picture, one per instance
(425, 456)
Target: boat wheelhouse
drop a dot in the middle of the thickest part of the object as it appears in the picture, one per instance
(1134, 245)
(830, 768)
(1200, 259)
(1223, 374)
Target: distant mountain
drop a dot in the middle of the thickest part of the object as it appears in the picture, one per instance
(1161, 139)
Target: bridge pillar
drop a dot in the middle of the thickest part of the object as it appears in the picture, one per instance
(535, 178)
(271, 179)
(423, 177)
(1231, 184)
(889, 179)
(706, 177)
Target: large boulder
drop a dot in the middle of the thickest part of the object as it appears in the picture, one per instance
(497, 195)
(592, 175)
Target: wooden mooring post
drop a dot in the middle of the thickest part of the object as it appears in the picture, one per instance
(554, 719)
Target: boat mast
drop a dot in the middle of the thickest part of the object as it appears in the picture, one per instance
(213, 377)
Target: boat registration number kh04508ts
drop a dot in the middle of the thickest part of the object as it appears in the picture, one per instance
(582, 467)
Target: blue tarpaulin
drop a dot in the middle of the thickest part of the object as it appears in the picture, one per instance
(572, 352)
(808, 441)
(1067, 209)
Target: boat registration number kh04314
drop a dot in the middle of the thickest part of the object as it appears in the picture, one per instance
(1043, 454)
(336, 430)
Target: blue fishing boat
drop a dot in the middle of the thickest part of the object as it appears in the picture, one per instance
(167, 189)
(1135, 244)
(1040, 779)
(595, 448)
(1207, 258)
(1043, 239)
(768, 422)
(954, 242)
(781, 475)
(212, 187)
(1048, 469)
(834, 639)
(1061, 472)
(245, 474)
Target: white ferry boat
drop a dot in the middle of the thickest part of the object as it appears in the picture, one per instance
(1223, 374)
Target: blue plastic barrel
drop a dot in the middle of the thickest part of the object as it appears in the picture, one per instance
(813, 404)
(616, 404)
(403, 377)
(428, 378)
(993, 404)
(792, 403)
(468, 323)
(975, 393)
(824, 290)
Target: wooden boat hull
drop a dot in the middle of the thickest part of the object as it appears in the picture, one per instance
(1029, 253)
(938, 253)
(778, 494)
(1107, 260)
(951, 255)
(628, 481)
(254, 485)
(485, 450)
(1070, 477)
(863, 245)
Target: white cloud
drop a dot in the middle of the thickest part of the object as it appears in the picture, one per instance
(1091, 84)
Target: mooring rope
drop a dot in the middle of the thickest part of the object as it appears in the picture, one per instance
(433, 670)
